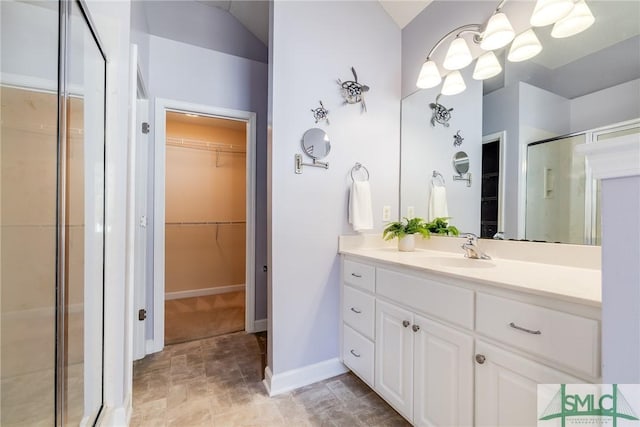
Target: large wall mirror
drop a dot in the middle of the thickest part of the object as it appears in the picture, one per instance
(520, 128)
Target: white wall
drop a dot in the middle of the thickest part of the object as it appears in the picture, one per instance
(308, 211)
(426, 148)
(613, 105)
(183, 72)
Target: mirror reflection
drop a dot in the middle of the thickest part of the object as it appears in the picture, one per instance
(522, 126)
(461, 162)
(316, 144)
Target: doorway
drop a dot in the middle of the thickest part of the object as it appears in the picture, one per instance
(492, 186)
(205, 219)
(204, 238)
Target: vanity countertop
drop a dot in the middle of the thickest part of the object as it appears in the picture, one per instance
(569, 283)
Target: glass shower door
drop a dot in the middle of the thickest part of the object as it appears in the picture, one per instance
(52, 168)
(28, 200)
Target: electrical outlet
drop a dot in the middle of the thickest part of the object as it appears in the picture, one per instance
(411, 212)
(386, 213)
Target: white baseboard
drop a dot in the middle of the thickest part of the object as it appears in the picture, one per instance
(260, 325)
(152, 347)
(296, 378)
(203, 292)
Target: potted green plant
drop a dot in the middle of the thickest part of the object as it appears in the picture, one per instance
(405, 230)
(440, 226)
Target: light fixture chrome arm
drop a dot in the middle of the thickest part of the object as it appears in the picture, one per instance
(468, 28)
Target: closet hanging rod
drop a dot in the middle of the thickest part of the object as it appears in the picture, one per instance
(206, 223)
(205, 145)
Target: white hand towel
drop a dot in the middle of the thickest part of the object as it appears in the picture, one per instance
(360, 212)
(438, 202)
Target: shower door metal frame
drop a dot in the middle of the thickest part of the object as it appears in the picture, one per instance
(64, 41)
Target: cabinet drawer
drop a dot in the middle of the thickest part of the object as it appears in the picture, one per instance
(446, 302)
(357, 354)
(561, 337)
(360, 275)
(358, 311)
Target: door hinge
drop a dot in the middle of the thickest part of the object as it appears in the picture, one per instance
(142, 314)
(145, 127)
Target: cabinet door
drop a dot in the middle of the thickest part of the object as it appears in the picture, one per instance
(506, 387)
(443, 375)
(394, 357)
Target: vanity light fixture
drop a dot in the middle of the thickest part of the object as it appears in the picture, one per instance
(579, 19)
(458, 55)
(453, 83)
(570, 17)
(546, 12)
(487, 66)
(498, 33)
(525, 46)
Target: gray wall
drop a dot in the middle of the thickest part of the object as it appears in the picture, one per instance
(309, 211)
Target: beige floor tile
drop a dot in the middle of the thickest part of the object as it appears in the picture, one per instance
(213, 382)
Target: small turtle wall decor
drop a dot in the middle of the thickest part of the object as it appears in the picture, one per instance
(440, 113)
(320, 113)
(353, 92)
(457, 139)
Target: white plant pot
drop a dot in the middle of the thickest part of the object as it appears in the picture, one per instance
(407, 243)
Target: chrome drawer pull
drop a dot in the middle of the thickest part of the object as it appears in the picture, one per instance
(415, 328)
(405, 323)
(354, 353)
(520, 328)
(356, 275)
(355, 310)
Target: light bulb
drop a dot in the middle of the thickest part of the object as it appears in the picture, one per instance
(487, 66)
(453, 83)
(498, 33)
(579, 19)
(525, 46)
(546, 12)
(429, 75)
(458, 55)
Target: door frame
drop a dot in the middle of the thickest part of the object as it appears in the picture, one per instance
(161, 107)
(501, 137)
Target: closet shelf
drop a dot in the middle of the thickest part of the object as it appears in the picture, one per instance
(197, 144)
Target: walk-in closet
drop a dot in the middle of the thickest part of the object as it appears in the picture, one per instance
(205, 226)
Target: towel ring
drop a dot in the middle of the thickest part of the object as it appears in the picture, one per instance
(437, 175)
(358, 167)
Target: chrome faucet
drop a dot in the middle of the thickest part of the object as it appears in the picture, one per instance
(471, 249)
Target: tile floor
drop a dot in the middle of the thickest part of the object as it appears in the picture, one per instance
(217, 382)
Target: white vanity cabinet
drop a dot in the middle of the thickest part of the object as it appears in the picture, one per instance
(447, 352)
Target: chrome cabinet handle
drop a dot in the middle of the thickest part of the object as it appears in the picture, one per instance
(480, 358)
(520, 328)
(354, 353)
(405, 323)
(356, 275)
(415, 328)
(355, 310)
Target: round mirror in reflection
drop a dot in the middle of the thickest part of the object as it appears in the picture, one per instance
(461, 162)
(315, 142)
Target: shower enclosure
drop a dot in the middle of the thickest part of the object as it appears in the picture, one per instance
(52, 177)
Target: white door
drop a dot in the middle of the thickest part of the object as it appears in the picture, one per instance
(443, 375)
(506, 387)
(394, 357)
(140, 237)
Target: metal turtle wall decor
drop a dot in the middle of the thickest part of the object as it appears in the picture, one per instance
(440, 113)
(352, 91)
(320, 113)
(457, 139)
